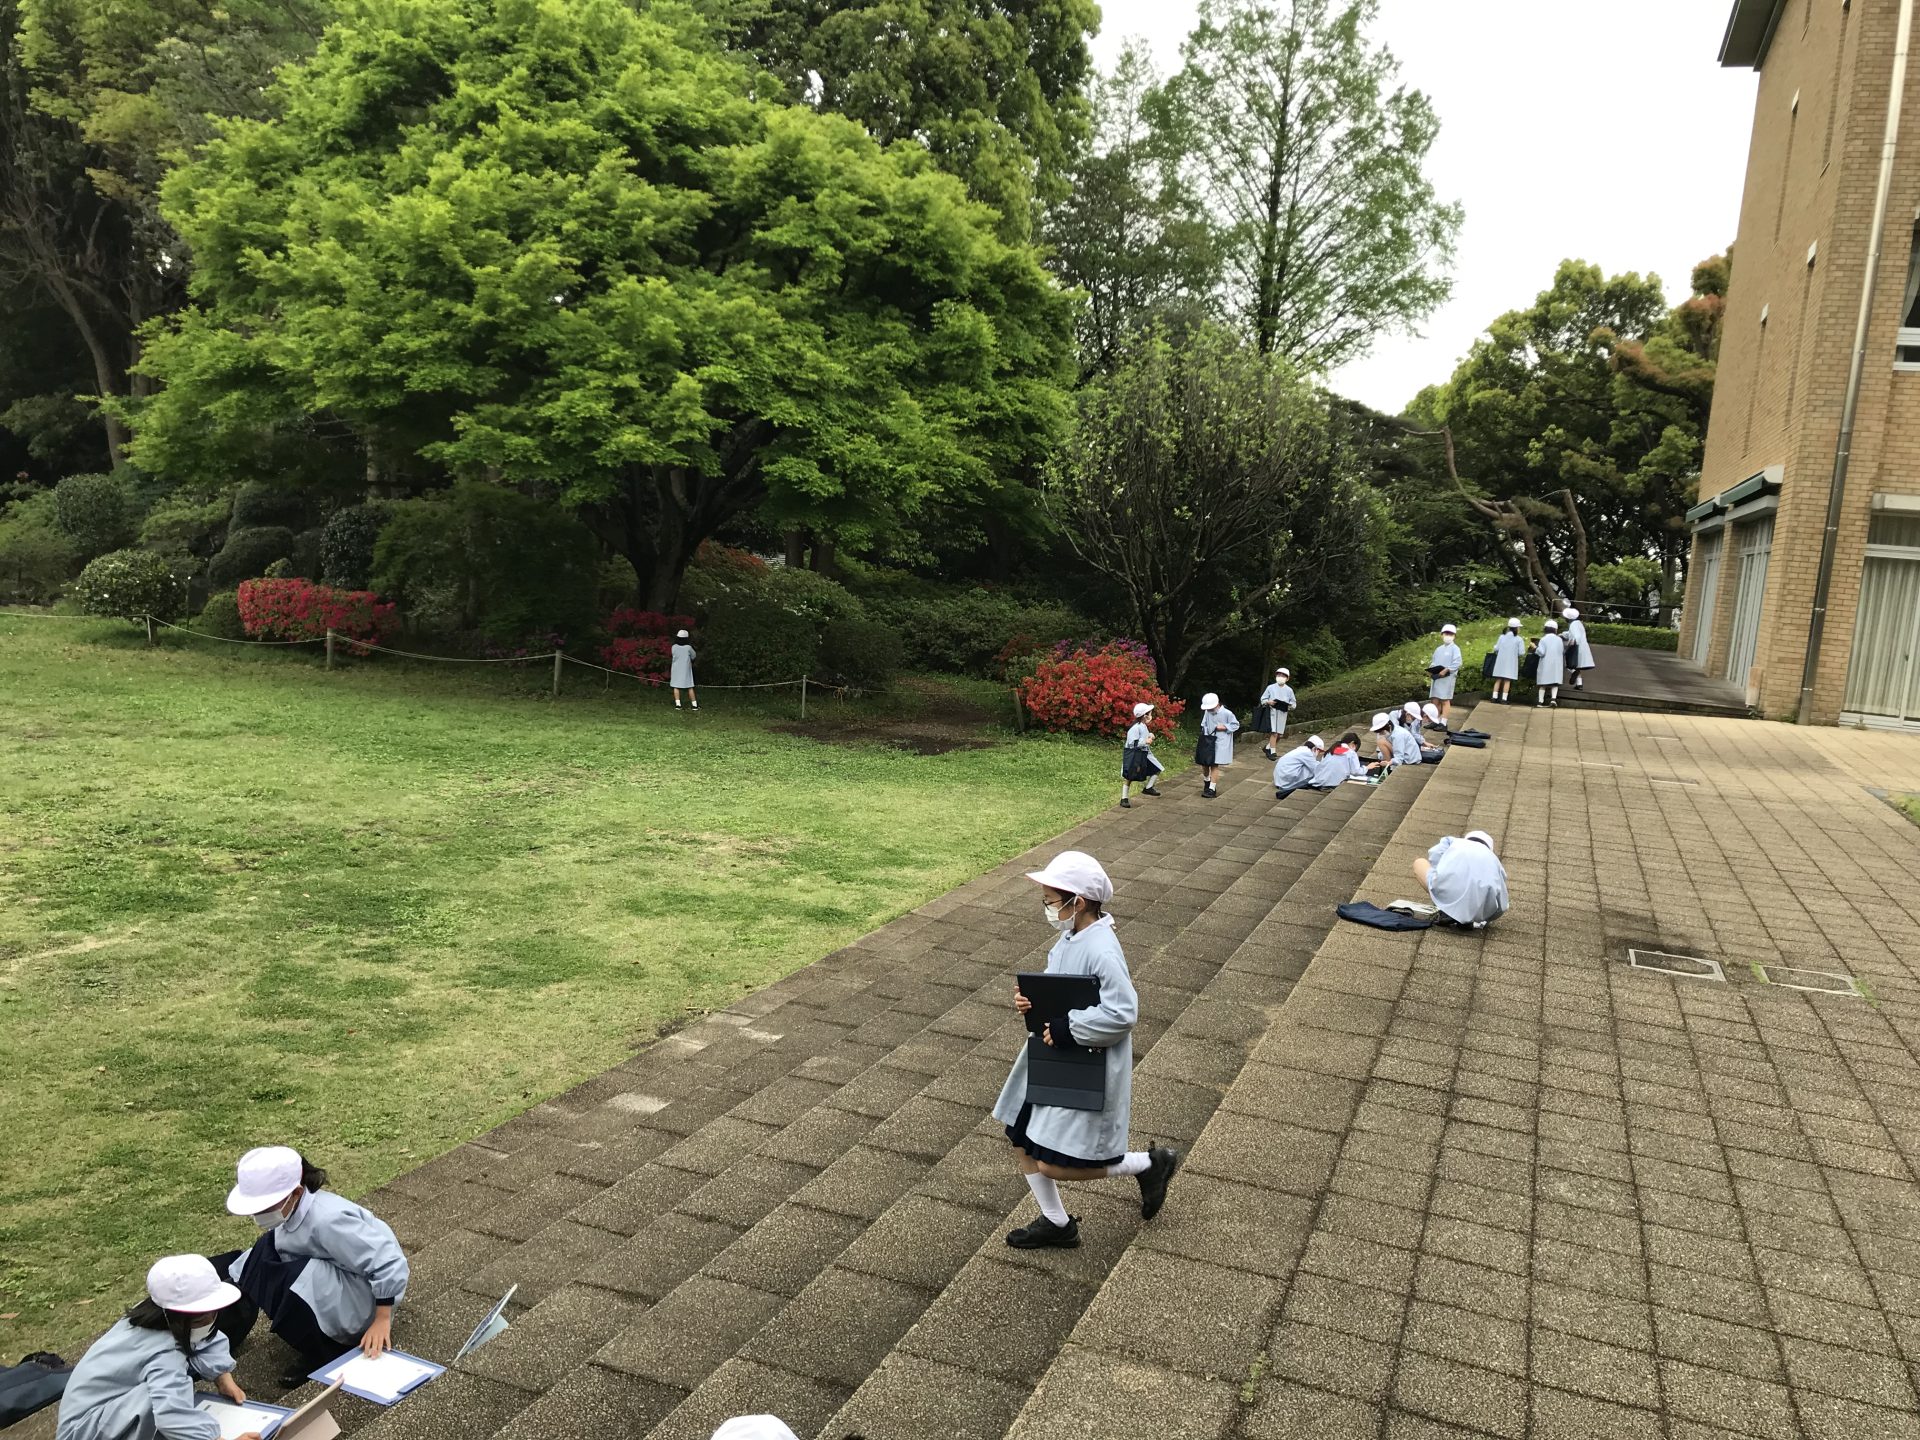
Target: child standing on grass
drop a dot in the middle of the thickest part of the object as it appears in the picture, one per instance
(1270, 715)
(1137, 760)
(1214, 753)
(681, 676)
(1054, 1143)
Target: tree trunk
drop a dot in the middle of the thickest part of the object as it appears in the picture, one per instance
(104, 374)
(796, 538)
(1579, 549)
(821, 560)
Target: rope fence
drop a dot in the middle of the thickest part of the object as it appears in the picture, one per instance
(560, 658)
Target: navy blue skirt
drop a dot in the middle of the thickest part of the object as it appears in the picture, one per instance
(1017, 1133)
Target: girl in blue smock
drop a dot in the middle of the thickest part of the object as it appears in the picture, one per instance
(1508, 651)
(136, 1381)
(1446, 662)
(1270, 715)
(1137, 760)
(1053, 1143)
(1215, 750)
(680, 658)
(1553, 667)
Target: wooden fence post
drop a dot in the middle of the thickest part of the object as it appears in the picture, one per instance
(803, 697)
(556, 674)
(149, 620)
(329, 649)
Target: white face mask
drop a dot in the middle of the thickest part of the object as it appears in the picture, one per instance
(1058, 920)
(268, 1219)
(200, 1334)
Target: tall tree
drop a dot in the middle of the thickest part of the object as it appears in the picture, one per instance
(1130, 234)
(1190, 480)
(1310, 156)
(567, 246)
(991, 88)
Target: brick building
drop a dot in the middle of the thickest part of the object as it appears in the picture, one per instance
(1805, 223)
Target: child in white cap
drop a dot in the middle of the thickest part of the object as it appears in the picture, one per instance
(1444, 669)
(1215, 750)
(136, 1381)
(1270, 715)
(1579, 652)
(326, 1271)
(755, 1427)
(680, 671)
(1297, 769)
(1465, 878)
(1508, 651)
(1382, 727)
(1407, 749)
(1553, 666)
(1054, 1143)
(1137, 760)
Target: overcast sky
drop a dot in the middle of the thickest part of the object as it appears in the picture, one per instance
(1606, 132)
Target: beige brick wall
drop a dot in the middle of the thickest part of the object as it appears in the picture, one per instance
(1782, 384)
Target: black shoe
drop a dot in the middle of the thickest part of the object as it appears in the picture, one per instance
(1043, 1234)
(1163, 1163)
(1125, 804)
(1151, 791)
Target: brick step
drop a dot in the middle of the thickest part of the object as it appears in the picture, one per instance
(964, 1370)
(615, 1198)
(1178, 1332)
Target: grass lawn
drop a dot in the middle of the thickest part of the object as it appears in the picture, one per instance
(1908, 805)
(372, 913)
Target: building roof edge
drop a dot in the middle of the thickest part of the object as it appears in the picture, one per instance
(1749, 32)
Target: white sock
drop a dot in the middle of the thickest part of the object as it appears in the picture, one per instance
(1048, 1195)
(1134, 1162)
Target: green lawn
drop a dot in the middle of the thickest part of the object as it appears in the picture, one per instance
(374, 912)
(1908, 805)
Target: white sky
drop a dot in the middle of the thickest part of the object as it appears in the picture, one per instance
(1604, 131)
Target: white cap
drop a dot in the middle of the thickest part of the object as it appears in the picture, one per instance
(1412, 707)
(1430, 710)
(267, 1175)
(1449, 629)
(1210, 701)
(1514, 623)
(1074, 872)
(1316, 742)
(681, 634)
(1382, 720)
(1143, 708)
(1284, 671)
(1553, 624)
(755, 1427)
(1482, 836)
(1569, 614)
(188, 1283)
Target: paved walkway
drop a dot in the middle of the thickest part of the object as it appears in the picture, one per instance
(1629, 679)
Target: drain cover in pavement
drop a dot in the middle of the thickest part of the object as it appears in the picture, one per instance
(1792, 977)
(1693, 967)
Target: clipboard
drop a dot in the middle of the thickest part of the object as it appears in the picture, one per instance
(255, 1415)
(351, 1377)
(1054, 995)
(494, 1324)
(1067, 1079)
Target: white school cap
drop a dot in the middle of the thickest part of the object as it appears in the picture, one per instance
(1449, 629)
(1482, 836)
(1143, 708)
(1553, 624)
(1430, 710)
(1210, 701)
(1316, 742)
(1074, 872)
(1569, 614)
(188, 1282)
(681, 634)
(1284, 671)
(267, 1175)
(1382, 721)
(1412, 707)
(1514, 623)
(755, 1427)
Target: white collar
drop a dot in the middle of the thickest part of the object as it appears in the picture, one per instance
(1073, 935)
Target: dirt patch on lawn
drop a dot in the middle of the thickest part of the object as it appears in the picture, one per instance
(933, 721)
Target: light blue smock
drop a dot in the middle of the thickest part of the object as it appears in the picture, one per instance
(1406, 745)
(1577, 644)
(1553, 661)
(1140, 736)
(356, 1261)
(1338, 767)
(1508, 651)
(1296, 768)
(1221, 725)
(134, 1384)
(1467, 880)
(1088, 1134)
(681, 678)
(1277, 718)
(1440, 687)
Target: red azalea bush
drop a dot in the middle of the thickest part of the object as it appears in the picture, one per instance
(641, 642)
(301, 610)
(1094, 692)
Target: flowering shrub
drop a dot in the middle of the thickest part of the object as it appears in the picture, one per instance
(712, 556)
(1094, 692)
(131, 584)
(1019, 656)
(302, 610)
(1134, 650)
(641, 642)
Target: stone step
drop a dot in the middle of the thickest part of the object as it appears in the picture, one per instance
(964, 1370)
(757, 1145)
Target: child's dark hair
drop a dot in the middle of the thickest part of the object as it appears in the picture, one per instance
(1352, 737)
(312, 1177)
(148, 1315)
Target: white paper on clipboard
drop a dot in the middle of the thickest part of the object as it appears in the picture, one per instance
(236, 1420)
(386, 1377)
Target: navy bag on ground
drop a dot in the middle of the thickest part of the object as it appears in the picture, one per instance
(1364, 912)
(32, 1385)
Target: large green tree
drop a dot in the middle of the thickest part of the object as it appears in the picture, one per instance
(569, 247)
(1311, 157)
(993, 89)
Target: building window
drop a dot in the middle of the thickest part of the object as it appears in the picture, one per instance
(1907, 354)
(1895, 528)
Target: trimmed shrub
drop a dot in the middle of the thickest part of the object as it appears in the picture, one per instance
(258, 505)
(746, 642)
(1313, 657)
(969, 630)
(1094, 694)
(97, 511)
(221, 616)
(249, 553)
(346, 544)
(186, 526)
(304, 559)
(302, 610)
(129, 584)
(865, 654)
(37, 557)
(1640, 637)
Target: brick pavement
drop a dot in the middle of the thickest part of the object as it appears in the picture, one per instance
(1504, 1185)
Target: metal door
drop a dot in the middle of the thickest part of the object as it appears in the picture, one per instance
(1755, 546)
(1702, 592)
